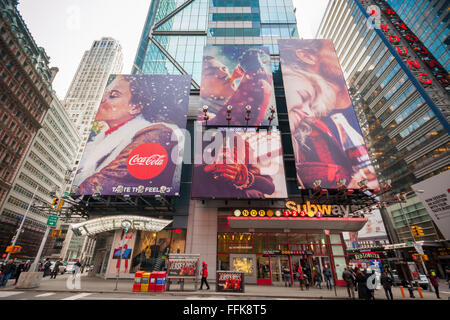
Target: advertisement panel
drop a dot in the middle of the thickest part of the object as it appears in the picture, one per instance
(240, 164)
(327, 140)
(435, 196)
(135, 141)
(237, 76)
(122, 247)
(182, 268)
(230, 281)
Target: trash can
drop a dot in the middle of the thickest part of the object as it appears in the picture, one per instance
(145, 282)
(152, 281)
(137, 281)
(161, 281)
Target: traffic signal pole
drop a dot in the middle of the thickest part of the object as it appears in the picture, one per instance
(16, 236)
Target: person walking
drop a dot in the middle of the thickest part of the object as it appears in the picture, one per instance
(371, 289)
(286, 276)
(308, 277)
(435, 283)
(76, 267)
(300, 277)
(386, 282)
(319, 278)
(349, 282)
(361, 280)
(55, 269)
(19, 269)
(204, 276)
(46, 267)
(7, 272)
(27, 266)
(327, 275)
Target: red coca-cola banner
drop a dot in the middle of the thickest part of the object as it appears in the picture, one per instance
(326, 136)
(135, 144)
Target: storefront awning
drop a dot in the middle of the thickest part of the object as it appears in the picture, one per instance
(332, 224)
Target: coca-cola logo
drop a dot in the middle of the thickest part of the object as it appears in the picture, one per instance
(147, 161)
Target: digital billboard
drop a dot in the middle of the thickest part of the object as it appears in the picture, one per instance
(327, 140)
(237, 76)
(240, 164)
(135, 145)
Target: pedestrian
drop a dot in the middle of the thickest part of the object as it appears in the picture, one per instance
(307, 277)
(386, 282)
(55, 269)
(83, 265)
(319, 278)
(19, 270)
(349, 282)
(286, 276)
(327, 275)
(447, 275)
(371, 289)
(435, 283)
(27, 266)
(46, 267)
(76, 267)
(204, 276)
(300, 276)
(7, 272)
(361, 280)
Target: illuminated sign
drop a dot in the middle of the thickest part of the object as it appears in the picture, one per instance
(104, 224)
(422, 52)
(308, 210)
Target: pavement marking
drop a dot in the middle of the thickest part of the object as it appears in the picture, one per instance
(4, 294)
(45, 294)
(77, 296)
(205, 298)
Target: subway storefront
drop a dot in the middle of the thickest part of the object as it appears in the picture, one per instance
(265, 243)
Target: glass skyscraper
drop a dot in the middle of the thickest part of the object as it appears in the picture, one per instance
(407, 140)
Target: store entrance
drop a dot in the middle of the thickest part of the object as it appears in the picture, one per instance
(277, 265)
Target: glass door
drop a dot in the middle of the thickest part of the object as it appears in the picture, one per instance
(275, 270)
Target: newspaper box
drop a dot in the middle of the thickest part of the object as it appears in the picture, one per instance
(152, 281)
(138, 280)
(160, 281)
(145, 282)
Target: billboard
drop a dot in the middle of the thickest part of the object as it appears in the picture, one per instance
(240, 164)
(136, 141)
(237, 76)
(327, 140)
(434, 193)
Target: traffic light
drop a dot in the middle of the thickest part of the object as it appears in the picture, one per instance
(425, 257)
(56, 233)
(414, 231)
(54, 203)
(419, 231)
(60, 205)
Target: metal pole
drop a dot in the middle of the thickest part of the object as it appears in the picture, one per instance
(414, 240)
(41, 248)
(21, 223)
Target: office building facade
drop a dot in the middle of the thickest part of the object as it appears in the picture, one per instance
(86, 89)
(44, 170)
(401, 97)
(25, 80)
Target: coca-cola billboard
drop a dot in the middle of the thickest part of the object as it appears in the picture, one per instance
(136, 146)
(240, 77)
(326, 136)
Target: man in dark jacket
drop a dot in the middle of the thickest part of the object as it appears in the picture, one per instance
(361, 281)
(327, 275)
(386, 282)
(7, 271)
(46, 267)
(55, 269)
(19, 269)
(349, 281)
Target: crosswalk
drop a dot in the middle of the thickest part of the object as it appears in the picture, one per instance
(14, 295)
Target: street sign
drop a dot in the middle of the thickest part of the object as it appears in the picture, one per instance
(52, 220)
(419, 248)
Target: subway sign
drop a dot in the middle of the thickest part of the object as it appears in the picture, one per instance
(292, 209)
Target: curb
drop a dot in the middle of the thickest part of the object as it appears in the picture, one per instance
(181, 294)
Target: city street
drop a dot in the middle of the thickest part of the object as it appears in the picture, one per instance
(94, 288)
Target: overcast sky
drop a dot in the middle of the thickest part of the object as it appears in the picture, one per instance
(67, 28)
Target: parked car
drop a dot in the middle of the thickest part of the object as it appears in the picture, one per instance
(62, 267)
(423, 282)
(70, 266)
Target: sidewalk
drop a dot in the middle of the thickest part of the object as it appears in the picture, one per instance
(99, 285)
